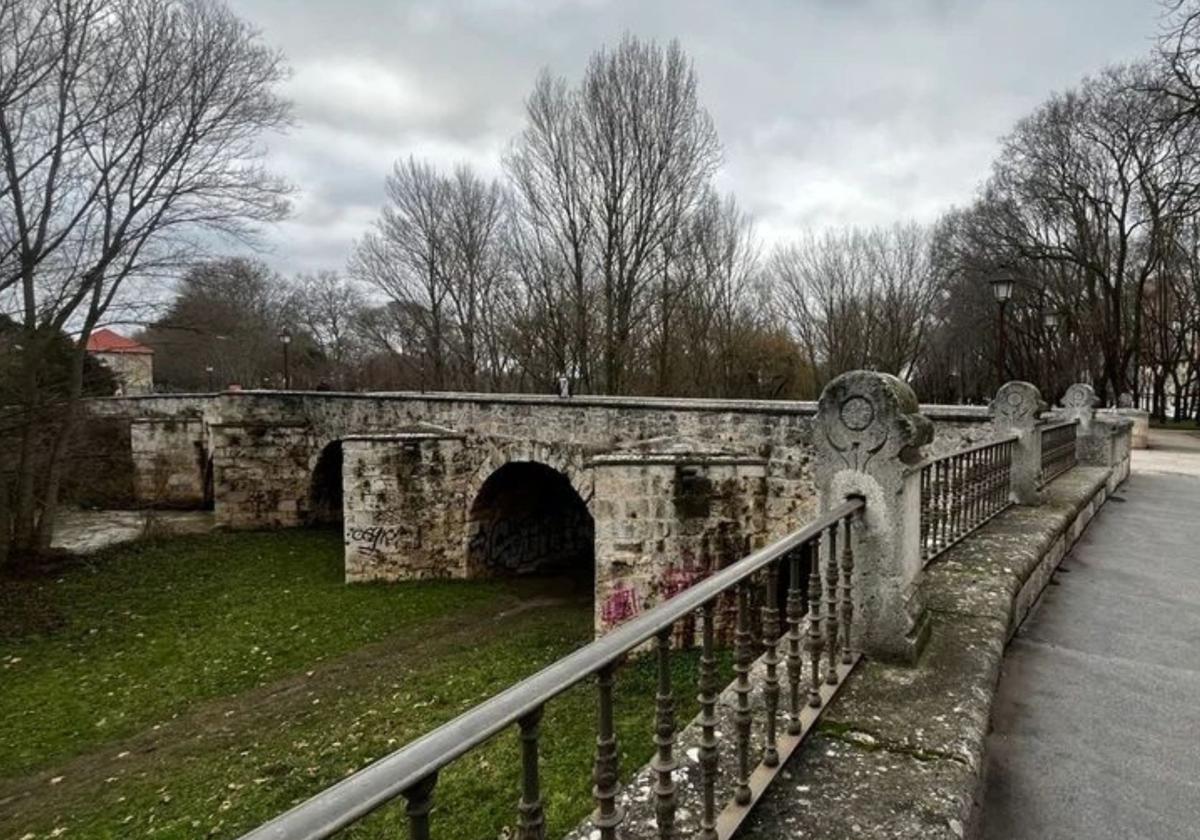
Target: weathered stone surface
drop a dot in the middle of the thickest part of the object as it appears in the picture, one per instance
(261, 451)
(869, 434)
(667, 515)
(170, 460)
(1016, 410)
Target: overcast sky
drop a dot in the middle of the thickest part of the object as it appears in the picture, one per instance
(831, 111)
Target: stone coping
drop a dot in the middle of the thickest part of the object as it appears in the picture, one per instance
(429, 433)
(900, 751)
(803, 408)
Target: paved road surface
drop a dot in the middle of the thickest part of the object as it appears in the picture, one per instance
(1097, 723)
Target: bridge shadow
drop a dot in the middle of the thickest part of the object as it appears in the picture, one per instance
(526, 520)
(325, 490)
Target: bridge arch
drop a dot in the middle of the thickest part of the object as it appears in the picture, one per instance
(526, 517)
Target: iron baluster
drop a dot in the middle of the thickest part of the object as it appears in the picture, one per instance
(664, 763)
(832, 607)
(925, 547)
(795, 665)
(770, 623)
(814, 645)
(847, 597)
(944, 504)
(532, 823)
(418, 806)
(973, 487)
(743, 656)
(708, 723)
(608, 814)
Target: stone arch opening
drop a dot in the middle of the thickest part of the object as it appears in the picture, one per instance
(208, 502)
(527, 519)
(325, 491)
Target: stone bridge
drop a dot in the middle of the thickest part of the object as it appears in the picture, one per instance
(652, 494)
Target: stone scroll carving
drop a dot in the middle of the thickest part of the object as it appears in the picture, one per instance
(1017, 406)
(1079, 402)
(865, 417)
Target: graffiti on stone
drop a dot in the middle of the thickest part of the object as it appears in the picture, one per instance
(620, 605)
(379, 539)
(531, 543)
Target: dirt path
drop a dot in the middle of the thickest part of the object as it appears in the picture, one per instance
(229, 721)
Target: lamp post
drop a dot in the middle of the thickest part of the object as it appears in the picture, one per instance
(1002, 289)
(208, 370)
(1050, 322)
(285, 338)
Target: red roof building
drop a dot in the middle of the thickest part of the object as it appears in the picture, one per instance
(107, 341)
(131, 363)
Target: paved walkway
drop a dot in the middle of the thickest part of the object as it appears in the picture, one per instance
(1096, 729)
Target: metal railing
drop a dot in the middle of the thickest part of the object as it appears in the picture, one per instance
(1058, 449)
(963, 490)
(819, 617)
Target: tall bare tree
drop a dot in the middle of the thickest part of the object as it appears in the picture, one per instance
(857, 298)
(128, 136)
(438, 253)
(608, 173)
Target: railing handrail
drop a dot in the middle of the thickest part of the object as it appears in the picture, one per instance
(386, 779)
(1061, 424)
(920, 465)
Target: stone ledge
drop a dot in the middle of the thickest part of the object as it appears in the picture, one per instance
(900, 751)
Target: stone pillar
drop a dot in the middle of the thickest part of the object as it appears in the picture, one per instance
(668, 516)
(404, 515)
(1092, 440)
(868, 434)
(1103, 440)
(1016, 409)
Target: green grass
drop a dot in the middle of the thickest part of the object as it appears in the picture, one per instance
(148, 629)
(196, 687)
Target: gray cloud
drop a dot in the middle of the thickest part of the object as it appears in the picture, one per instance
(831, 111)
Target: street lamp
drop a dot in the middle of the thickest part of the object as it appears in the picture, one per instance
(208, 370)
(285, 338)
(1050, 322)
(1002, 289)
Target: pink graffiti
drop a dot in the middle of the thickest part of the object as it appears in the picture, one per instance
(621, 605)
(678, 579)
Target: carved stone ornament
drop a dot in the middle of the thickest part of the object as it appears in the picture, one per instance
(865, 416)
(1017, 405)
(1080, 401)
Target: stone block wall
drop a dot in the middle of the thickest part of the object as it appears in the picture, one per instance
(261, 473)
(265, 447)
(405, 506)
(665, 522)
(169, 460)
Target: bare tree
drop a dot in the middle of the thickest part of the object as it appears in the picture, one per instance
(1089, 190)
(1179, 50)
(329, 308)
(404, 256)
(857, 298)
(128, 136)
(608, 173)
